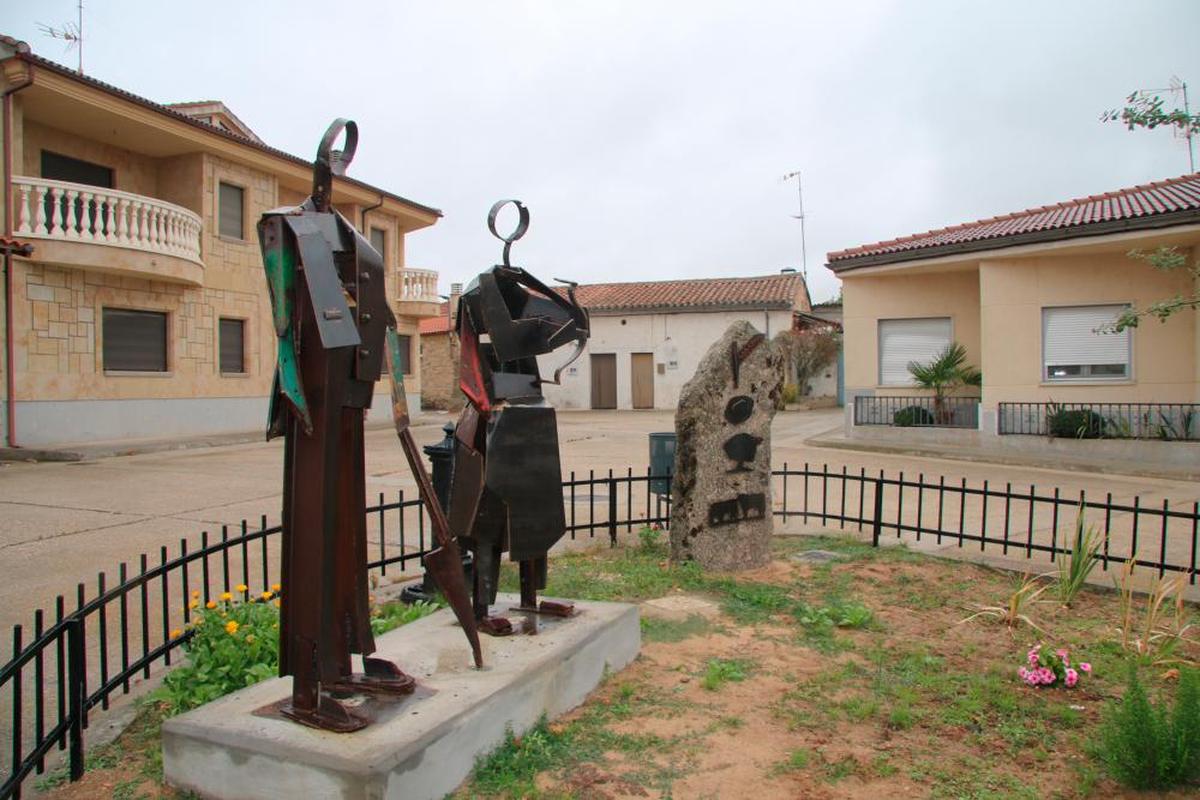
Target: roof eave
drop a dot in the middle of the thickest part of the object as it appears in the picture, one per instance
(680, 309)
(1149, 222)
(44, 63)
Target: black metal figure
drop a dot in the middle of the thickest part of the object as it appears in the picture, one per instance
(507, 486)
(330, 311)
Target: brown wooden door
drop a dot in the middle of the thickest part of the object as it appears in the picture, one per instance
(642, 379)
(604, 380)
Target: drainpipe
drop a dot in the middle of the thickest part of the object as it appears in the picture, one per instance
(10, 384)
(362, 217)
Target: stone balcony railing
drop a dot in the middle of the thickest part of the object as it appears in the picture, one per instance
(418, 296)
(79, 214)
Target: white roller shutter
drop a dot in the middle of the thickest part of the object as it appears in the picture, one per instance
(905, 340)
(1070, 337)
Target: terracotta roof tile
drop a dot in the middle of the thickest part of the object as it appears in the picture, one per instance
(764, 292)
(1139, 202)
(438, 324)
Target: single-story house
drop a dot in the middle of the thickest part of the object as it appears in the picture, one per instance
(1030, 296)
(648, 337)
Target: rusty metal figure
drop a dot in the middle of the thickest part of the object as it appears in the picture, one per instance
(507, 486)
(331, 316)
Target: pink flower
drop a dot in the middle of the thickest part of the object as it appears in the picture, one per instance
(1072, 678)
(1033, 656)
(1085, 667)
(1047, 675)
(1063, 655)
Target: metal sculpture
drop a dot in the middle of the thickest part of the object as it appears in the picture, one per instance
(506, 491)
(331, 316)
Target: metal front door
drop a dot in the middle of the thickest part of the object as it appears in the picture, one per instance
(604, 380)
(642, 379)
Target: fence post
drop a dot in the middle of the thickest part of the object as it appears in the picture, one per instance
(612, 511)
(877, 523)
(75, 668)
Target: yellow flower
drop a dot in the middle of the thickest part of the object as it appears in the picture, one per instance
(193, 604)
(211, 604)
(199, 621)
(275, 587)
(175, 634)
(231, 627)
(226, 596)
(277, 602)
(243, 588)
(195, 592)
(267, 596)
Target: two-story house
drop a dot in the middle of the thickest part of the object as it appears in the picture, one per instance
(143, 309)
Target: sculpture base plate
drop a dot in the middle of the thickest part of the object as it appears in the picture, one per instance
(419, 746)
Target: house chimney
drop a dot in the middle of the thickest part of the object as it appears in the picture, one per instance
(788, 271)
(455, 294)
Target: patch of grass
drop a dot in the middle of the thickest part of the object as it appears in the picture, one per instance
(389, 616)
(796, 761)
(511, 769)
(842, 768)
(658, 629)
(749, 602)
(720, 671)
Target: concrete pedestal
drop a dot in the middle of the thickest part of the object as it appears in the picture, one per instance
(422, 746)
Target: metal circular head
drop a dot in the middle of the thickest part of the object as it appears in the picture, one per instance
(522, 220)
(338, 160)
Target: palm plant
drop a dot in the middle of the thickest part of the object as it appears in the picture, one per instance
(947, 372)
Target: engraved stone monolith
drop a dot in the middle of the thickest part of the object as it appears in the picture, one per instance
(721, 495)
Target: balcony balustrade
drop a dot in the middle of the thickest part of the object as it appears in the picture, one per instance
(418, 292)
(78, 213)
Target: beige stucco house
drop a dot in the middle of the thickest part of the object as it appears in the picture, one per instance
(648, 337)
(142, 310)
(1028, 295)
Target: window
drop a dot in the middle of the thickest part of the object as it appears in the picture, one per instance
(405, 354)
(905, 340)
(134, 341)
(379, 242)
(231, 211)
(232, 345)
(1073, 348)
(64, 168)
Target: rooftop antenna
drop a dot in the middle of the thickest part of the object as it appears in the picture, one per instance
(800, 216)
(71, 33)
(1176, 87)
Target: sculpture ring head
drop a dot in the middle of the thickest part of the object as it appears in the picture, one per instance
(332, 162)
(518, 232)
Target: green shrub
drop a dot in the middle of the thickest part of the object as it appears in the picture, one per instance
(1075, 423)
(389, 616)
(791, 393)
(1147, 747)
(233, 644)
(912, 415)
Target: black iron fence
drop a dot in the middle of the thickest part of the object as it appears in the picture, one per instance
(1165, 421)
(82, 657)
(917, 412)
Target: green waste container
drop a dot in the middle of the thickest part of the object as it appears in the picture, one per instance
(662, 461)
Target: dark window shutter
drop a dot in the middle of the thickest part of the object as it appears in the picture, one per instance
(233, 346)
(405, 353)
(230, 206)
(135, 341)
(379, 242)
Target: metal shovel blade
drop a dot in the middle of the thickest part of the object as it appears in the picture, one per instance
(445, 567)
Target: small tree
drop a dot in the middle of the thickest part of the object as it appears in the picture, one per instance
(809, 351)
(947, 372)
(1166, 259)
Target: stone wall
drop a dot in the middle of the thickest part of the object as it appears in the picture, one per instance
(439, 372)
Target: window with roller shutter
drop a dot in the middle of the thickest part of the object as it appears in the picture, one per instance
(232, 345)
(1075, 345)
(134, 341)
(231, 211)
(902, 341)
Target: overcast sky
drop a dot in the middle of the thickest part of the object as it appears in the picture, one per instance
(649, 139)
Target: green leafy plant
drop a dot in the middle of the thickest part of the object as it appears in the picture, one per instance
(1075, 567)
(389, 616)
(791, 393)
(1159, 633)
(909, 416)
(234, 643)
(946, 373)
(1017, 609)
(1147, 746)
(1074, 423)
(720, 671)
(650, 537)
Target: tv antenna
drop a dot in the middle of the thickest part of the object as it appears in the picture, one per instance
(1176, 87)
(800, 216)
(71, 33)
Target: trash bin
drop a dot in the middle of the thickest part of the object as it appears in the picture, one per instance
(662, 461)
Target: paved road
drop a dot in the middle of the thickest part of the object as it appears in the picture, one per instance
(60, 523)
